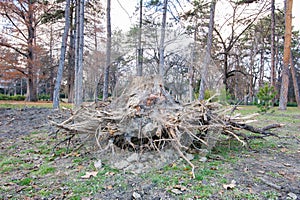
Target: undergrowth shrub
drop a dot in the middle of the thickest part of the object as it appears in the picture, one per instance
(265, 96)
(13, 98)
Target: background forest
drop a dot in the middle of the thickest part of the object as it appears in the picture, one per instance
(67, 49)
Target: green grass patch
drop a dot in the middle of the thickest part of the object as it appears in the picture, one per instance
(87, 187)
(27, 151)
(25, 181)
(11, 161)
(45, 169)
(13, 146)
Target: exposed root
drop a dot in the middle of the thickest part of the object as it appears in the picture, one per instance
(146, 117)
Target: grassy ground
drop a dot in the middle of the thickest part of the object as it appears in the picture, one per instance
(30, 168)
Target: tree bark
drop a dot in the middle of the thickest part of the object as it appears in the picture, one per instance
(207, 58)
(162, 40)
(108, 51)
(295, 83)
(62, 57)
(286, 56)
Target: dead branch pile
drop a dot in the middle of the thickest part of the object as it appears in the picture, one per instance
(146, 117)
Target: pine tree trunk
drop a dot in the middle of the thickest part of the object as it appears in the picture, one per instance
(295, 83)
(207, 58)
(162, 40)
(286, 56)
(108, 51)
(62, 57)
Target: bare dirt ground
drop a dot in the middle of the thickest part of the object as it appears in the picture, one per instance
(31, 170)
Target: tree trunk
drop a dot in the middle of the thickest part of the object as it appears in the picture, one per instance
(108, 51)
(295, 83)
(51, 76)
(31, 79)
(286, 56)
(71, 59)
(62, 57)
(79, 67)
(273, 71)
(225, 71)
(261, 69)
(252, 61)
(207, 58)
(140, 50)
(162, 40)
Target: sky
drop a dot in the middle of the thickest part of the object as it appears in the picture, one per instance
(122, 12)
(296, 14)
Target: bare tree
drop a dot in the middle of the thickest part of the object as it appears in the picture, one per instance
(207, 58)
(79, 56)
(140, 50)
(71, 56)
(162, 39)
(286, 55)
(24, 18)
(273, 71)
(62, 57)
(108, 51)
(228, 43)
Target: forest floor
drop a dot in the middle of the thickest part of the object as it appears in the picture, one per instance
(31, 168)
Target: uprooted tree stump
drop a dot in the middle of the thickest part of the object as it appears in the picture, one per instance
(146, 117)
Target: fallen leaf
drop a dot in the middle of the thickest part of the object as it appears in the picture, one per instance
(180, 187)
(98, 164)
(250, 190)
(79, 167)
(136, 195)
(287, 164)
(89, 175)
(176, 191)
(282, 173)
(283, 150)
(230, 186)
(110, 173)
(109, 187)
(292, 196)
